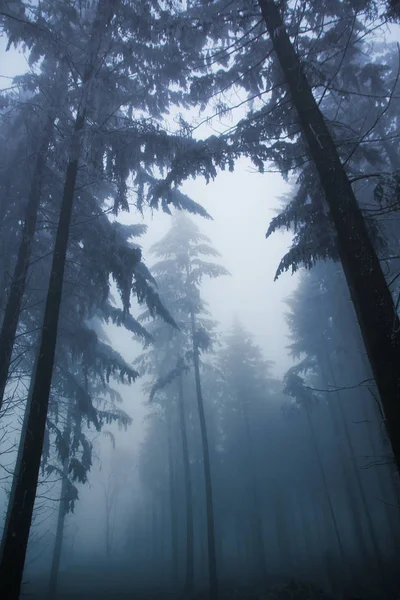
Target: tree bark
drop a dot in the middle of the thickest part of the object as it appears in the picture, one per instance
(62, 512)
(189, 577)
(376, 314)
(212, 557)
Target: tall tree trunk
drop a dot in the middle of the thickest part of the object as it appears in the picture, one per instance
(18, 282)
(172, 507)
(257, 515)
(17, 527)
(62, 511)
(16, 533)
(357, 474)
(325, 485)
(189, 577)
(376, 314)
(281, 512)
(346, 460)
(109, 521)
(212, 557)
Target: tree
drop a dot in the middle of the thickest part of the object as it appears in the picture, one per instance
(288, 83)
(103, 42)
(163, 361)
(372, 299)
(44, 133)
(327, 344)
(245, 389)
(181, 251)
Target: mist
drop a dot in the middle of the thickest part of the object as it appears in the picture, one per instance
(199, 292)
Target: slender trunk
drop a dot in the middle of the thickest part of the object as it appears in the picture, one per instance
(306, 555)
(325, 485)
(18, 462)
(62, 512)
(357, 475)
(18, 282)
(17, 528)
(212, 558)
(16, 533)
(154, 536)
(346, 463)
(257, 515)
(378, 320)
(238, 537)
(172, 509)
(189, 578)
(281, 512)
(108, 523)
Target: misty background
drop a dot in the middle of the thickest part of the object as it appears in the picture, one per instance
(303, 487)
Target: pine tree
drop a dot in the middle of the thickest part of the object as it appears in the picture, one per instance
(245, 386)
(181, 251)
(96, 69)
(361, 265)
(291, 83)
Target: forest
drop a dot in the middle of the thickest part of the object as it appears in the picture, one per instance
(200, 299)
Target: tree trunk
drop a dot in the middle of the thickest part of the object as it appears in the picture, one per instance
(376, 314)
(281, 511)
(212, 558)
(258, 530)
(18, 282)
(357, 475)
(62, 512)
(16, 533)
(325, 485)
(17, 527)
(189, 577)
(172, 508)
(346, 460)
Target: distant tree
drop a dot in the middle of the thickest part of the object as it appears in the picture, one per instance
(245, 390)
(179, 273)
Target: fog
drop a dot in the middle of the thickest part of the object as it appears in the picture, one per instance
(216, 426)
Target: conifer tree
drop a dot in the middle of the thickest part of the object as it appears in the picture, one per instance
(292, 82)
(97, 116)
(180, 270)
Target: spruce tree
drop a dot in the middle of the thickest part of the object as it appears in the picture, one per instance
(181, 264)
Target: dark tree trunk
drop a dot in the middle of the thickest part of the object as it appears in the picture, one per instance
(372, 299)
(16, 532)
(18, 524)
(62, 512)
(189, 577)
(212, 557)
(18, 282)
